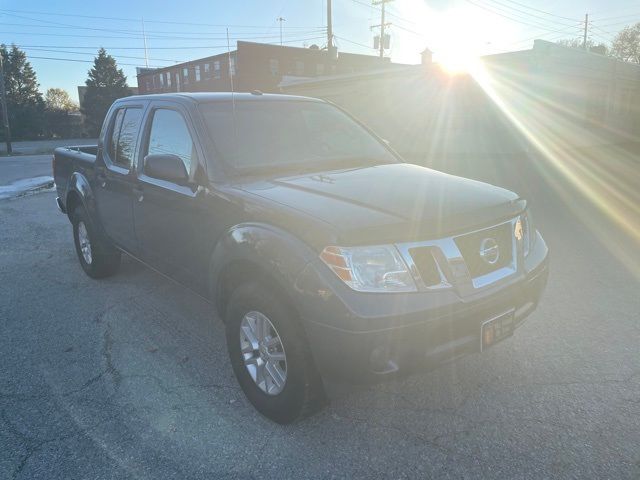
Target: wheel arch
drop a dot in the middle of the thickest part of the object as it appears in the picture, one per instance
(81, 193)
(256, 252)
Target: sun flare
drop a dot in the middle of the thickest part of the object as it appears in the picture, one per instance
(457, 61)
(457, 35)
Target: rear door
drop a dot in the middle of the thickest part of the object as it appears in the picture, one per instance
(169, 218)
(115, 176)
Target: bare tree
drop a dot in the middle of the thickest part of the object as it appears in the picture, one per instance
(599, 48)
(57, 99)
(626, 44)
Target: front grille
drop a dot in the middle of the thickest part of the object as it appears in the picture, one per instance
(426, 265)
(471, 244)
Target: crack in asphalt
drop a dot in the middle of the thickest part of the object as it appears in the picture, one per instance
(33, 444)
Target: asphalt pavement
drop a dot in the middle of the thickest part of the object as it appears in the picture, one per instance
(128, 377)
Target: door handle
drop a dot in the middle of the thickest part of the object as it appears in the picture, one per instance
(139, 193)
(102, 179)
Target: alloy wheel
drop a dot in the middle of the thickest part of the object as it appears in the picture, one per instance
(84, 242)
(263, 353)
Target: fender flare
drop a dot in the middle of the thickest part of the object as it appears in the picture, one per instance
(272, 250)
(79, 185)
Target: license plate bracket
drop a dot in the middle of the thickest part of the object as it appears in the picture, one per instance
(496, 329)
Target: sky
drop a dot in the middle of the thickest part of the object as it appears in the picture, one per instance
(61, 38)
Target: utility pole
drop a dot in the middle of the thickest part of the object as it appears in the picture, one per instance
(586, 29)
(280, 19)
(330, 47)
(144, 38)
(5, 114)
(382, 24)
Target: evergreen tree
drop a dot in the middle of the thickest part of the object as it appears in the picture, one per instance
(24, 102)
(105, 84)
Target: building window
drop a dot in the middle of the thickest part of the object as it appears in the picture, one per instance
(232, 66)
(185, 75)
(274, 66)
(161, 80)
(168, 79)
(299, 67)
(197, 70)
(216, 70)
(320, 69)
(207, 70)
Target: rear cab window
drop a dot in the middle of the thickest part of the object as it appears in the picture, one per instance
(123, 139)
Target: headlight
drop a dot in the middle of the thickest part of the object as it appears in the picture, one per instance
(370, 269)
(528, 232)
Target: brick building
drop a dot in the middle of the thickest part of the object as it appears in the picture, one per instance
(253, 66)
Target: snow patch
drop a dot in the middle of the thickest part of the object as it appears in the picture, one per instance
(25, 186)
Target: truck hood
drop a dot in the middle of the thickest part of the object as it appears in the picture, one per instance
(390, 203)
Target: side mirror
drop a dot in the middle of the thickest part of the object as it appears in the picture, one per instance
(166, 167)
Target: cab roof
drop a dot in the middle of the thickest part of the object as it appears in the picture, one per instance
(207, 97)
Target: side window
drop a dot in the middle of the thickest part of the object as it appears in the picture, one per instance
(169, 134)
(128, 140)
(115, 133)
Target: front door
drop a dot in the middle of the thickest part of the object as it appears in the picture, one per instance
(115, 177)
(169, 218)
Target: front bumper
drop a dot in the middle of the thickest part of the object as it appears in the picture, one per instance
(363, 336)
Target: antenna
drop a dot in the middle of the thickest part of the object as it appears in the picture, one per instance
(229, 61)
(233, 95)
(144, 38)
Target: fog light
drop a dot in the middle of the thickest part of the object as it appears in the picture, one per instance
(380, 360)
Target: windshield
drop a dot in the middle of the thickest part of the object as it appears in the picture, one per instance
(290, 135)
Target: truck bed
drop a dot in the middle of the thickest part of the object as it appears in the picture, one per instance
(67, 160)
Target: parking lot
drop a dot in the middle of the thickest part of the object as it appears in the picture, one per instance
(128, 378)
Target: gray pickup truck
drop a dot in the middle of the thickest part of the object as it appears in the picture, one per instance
(324, 253)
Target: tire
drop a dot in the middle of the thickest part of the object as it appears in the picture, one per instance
(99, 258)
(301, 394)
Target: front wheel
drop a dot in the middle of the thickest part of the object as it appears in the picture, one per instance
(97, 257)
(270, 356)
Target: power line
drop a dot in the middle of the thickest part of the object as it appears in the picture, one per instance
(122, 48)
(152, 32)
(523, 15)
(626, 23)
(537, 10)
(89, 53)
(136, 20)
(355, 43)
(619, 16)
(140, 37)
(88, 61)
(542, 27)
(186, 47)
(391, 14)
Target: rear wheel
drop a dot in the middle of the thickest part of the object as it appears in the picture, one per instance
(270, 356)
(97, 256)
